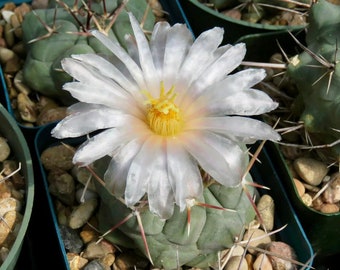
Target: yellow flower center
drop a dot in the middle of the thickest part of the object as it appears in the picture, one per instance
(163, 115)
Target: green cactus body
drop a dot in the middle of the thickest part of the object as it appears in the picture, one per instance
(41, 70)
(170, 244)
(319, 87)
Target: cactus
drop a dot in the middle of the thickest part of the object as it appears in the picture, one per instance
(70, 35)
(316, 72)
(168, 113)
(171, 243)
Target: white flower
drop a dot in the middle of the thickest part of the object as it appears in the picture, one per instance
(167, 108)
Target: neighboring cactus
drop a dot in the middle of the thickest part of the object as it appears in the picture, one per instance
(42, 70)
(170, 242)
(316, 72)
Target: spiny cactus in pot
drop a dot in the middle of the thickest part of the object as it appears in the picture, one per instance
(311, 69)
(309, 115)
(164, 117)
(316, 74)
(53, 33)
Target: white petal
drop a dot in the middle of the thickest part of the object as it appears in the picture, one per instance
(140, 171)
(184, 174)
(145, 56)
(220, 158)
(231, 59)
(108, 69)
(132, 48)
(179, 40)
(79, 124)
(157, 45)
(238, 82)
(249, 102)
(116, 173)
(88, 92)
(200, 55)
(83, 107)
(224, 95)
(88, 75)
(123, 56)
(99, 145)
(160, 195)
(237, 126)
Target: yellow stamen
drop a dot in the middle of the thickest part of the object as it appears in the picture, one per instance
(163, 115)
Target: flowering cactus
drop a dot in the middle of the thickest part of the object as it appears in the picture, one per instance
(317, 75)
(169, 112)
(52, 34)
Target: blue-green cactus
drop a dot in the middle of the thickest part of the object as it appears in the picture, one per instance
(42, 70)
(316, 72)
(170, 242)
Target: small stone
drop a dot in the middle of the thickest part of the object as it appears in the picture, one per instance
(5, 55)
(250, 260)
(233, 13)
(262, 262)
(332, 192)
(95, 265)
(88, 236)
(50, 115)
(62, 186)
(307, 199)
(329, 208)
(94, 251)
(6, 188)
(83, 176)
(63, 212)
(9, 226)
(252, 235)
(107, 246)
(108, 260)
(9, 204)
(71, 239)
(310, 170)
(128, 260)
(266, 207)
(238, 251)
(75, 261)
(317, 203)
(82, 213)
(300, 188)
(311, 188)
(236, 263)
(284, 251)
(5, 150)
(59, 156)
(4, 251)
